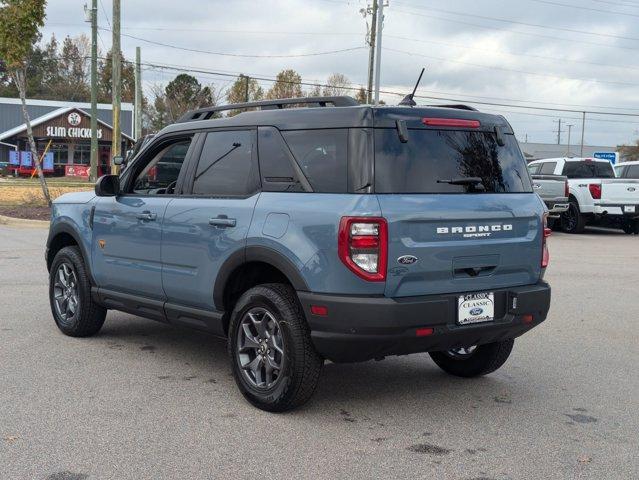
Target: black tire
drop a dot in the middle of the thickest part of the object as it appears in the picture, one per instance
(572, 221)
(631, 227)
(88, 317)
(301, 365)
(483, 360)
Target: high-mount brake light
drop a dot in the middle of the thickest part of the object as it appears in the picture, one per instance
(545, 254)
(451, 122)
(595, 190)
(362, 244)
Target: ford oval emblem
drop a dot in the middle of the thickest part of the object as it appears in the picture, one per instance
(407, 259)
(477, 311)
(631, 189)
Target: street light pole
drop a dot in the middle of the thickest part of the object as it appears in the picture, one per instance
(378, 47)
(93, 162)
(116, 87)
(569, 130)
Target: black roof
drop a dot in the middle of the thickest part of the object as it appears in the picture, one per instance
(346, 114)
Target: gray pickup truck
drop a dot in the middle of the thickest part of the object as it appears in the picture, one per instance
(553, 190)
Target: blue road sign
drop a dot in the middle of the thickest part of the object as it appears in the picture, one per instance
(610, 156)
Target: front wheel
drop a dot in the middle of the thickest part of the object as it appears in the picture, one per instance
(474, 361)
(274, 362)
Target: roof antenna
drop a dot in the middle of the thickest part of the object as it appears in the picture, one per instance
(408, 99)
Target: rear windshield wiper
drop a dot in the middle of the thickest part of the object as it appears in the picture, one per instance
(475, 182)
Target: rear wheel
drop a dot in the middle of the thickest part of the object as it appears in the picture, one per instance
(572, 221)
(73, 309)
(631, 227)
(274, 362)
(475, 360)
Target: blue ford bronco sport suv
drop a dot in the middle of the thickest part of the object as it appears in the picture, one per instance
(343, 232)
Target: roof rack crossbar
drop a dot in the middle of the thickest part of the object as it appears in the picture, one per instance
(207, 112)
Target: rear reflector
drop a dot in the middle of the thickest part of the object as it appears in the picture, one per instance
(320, 310)
(545, 254)
(527, 318)
(451, 122)
(424, 332)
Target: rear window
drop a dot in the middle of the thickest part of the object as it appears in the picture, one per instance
(632, 171)
(430, 156)
(588, 169)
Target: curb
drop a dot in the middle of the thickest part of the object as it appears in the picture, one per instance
(23, 222)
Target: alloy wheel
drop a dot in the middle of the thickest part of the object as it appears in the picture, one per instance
(260, 348)
(65, 292)
(462, 352)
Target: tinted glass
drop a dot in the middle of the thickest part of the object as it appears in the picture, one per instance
(276, 162)
(588, 169)
(321, 154)
(632, 171)
(548, 168)
(226, 164)
(432, 155)
(163, 170)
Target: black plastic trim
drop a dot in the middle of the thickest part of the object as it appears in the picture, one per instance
(64, 227)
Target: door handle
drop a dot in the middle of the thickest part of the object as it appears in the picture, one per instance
(222, 221)
(147, 216)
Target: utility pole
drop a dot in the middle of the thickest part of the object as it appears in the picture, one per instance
(378, 48)
(116, 87)
(137, 102)
(246, 87)
(583, 128)
(93, 168)
(569, 130)
(558, 131)
(371, 54)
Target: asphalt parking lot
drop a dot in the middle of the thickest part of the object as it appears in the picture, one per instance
(145, 400)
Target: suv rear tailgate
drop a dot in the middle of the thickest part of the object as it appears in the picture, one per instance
(462, 243)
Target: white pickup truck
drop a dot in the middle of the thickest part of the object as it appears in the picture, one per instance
(596, 195)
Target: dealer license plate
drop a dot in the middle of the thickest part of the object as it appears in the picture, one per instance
(629, 209)
(476, 308)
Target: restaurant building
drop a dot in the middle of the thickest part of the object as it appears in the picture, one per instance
(62, 132)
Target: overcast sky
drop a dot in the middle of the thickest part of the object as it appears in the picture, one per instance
(524, 52)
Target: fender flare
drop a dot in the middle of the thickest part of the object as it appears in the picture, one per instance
(255, 253)
(63, 226)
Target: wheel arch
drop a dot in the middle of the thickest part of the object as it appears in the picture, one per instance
(64, 235)
(249, 267)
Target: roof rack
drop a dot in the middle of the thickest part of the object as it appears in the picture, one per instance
(457, 106)
(207, 112)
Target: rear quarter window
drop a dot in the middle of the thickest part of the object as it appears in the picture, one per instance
(430, 156)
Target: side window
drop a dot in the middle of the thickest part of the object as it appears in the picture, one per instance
(227, 165)
(548, 168)
(632, 171)
(160, 175)
(322, 156)
(276, 162)
(534, 169)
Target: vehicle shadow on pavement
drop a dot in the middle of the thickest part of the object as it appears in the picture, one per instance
(396, 382)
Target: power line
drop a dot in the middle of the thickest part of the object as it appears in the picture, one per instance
(387, 92)
(526, 24)
(523, 72)
(516, 32)
(106, 15)
(579, 7)
(238, 55)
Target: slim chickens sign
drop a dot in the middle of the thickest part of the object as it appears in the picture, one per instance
(73, 130)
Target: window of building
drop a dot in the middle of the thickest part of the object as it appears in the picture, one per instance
(82, 154)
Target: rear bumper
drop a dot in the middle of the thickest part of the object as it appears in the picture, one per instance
(616, 209)
(362, 328)
(556, 206)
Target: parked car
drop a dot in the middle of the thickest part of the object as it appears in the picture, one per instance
(596, 195)
(553, 190)
(343, 232)
(627, 170)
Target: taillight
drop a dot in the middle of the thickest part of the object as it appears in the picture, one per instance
(362, 244)
(595, 190)
(451, 122)
(545, 254)
(566, 189)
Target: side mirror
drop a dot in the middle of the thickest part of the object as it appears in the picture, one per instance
(118, 160)
(107, 186)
